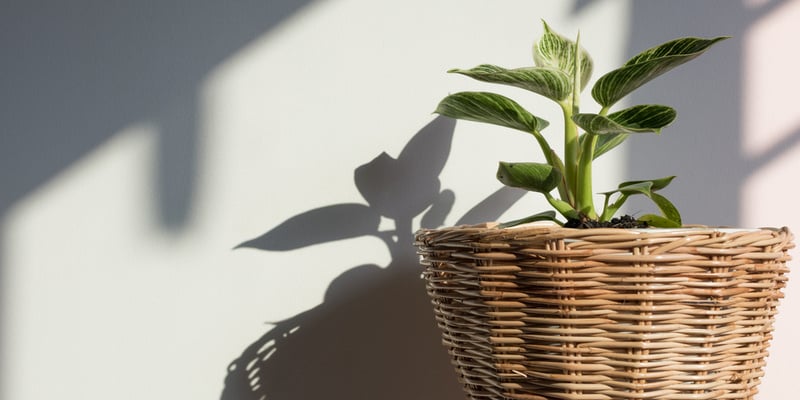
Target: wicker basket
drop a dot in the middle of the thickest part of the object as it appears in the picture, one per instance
(554, 313)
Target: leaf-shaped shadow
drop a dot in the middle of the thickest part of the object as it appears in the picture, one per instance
(321, 225)
(493, 206)
(402, 188)
(439, 210)
(427, 152)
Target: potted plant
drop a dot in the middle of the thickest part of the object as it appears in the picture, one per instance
(598, 306)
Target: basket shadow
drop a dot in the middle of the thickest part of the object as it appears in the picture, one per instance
(373, 337)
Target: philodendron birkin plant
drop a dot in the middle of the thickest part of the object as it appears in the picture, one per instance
(561, 70)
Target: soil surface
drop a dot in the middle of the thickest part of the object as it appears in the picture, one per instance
(623, 222)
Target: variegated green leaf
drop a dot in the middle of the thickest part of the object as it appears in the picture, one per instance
(536, 177)
(614, 129)
(655, 184)
(542, 216)
(671, 216)
(490, 108)
(667, 208)
(548, 82)
(648, 65)
(637, 119)
(555, 51)
(606, 142)
(658, 221)
(641, 187)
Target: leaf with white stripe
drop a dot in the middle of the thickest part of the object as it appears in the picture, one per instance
(655, 184)
(636, 119)
(648, 65)
(555, 51)
(549, 215)
(546, 81)
(615, 128)
(670, 217)
(490, 108)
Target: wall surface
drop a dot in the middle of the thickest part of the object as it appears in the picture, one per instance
(217, 201)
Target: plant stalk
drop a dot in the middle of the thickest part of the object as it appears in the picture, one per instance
(583, 156)
(570, 151)
(585, 199)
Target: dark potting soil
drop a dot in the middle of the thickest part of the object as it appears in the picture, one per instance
(623, 222)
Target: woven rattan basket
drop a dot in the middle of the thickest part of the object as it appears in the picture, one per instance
(555, 313)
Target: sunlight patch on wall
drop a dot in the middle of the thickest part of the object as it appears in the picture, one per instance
(770, 87)
(771, 120)
(770, 194)
(62, 246)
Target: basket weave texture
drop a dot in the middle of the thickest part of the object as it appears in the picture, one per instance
(593, 314)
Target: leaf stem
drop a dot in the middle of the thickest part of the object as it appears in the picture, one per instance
(610, 210)
(552, 159)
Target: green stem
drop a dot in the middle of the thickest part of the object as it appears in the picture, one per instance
(582, 161)
(610, 210)
(584, 193)
(604, 214)
(570, 150)
(564, 208)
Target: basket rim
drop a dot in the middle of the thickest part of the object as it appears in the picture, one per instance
(552, 226)
(493, 232)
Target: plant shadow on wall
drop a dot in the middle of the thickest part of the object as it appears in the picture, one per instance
(374, 336)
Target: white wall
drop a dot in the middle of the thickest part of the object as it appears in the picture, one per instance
(142, 144)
